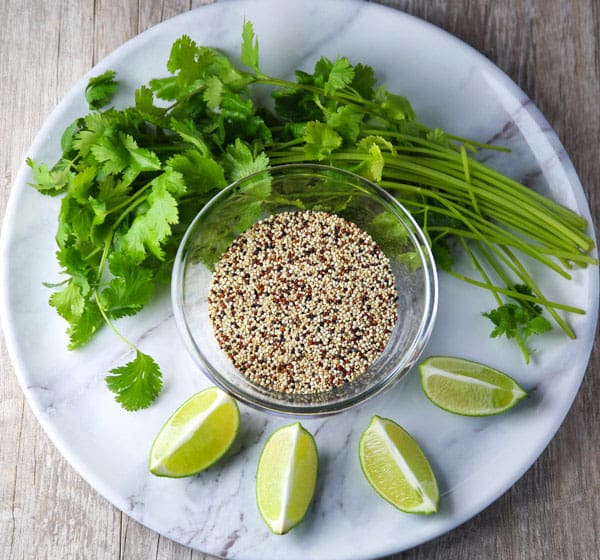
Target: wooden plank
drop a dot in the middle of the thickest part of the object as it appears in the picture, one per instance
(45, 503)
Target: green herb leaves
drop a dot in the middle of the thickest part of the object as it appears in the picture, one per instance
(320, 140)
(153, 218)
(250, 48)
(133, 178)
(137, 383)
(129, 290)
(519, 320)
(100, 89)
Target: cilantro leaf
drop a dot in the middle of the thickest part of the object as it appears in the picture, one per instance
(373, 164)
(129, 290)
(111, 154)
(340, 75)
(165, 88)
(364, 80)
(234, 106)
(144, 103)
(320, 73)
(518, 320)
(213, 94)
(82, 183)
(239, 161)
(95, 124)
(189, 132)
(66, 140)
(69, 302)
(438, 136)
(507, 318)
(193, 65)
(394, 107)
(200, 173)
(441, 248)
(120, 153)
(250, 47)
(112, 192)
(296, 105)
(320, 140)
(137, 383)
(152, 225)
(48, 181)
(183, 54)
(76, 221)
(346, 121)
(537, 325)
(140, 159)
(82, 329)
(100, 89)
(389, 234)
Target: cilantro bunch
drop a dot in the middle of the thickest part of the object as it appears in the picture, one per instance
(132, 180)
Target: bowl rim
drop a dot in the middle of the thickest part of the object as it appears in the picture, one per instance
(287, 409)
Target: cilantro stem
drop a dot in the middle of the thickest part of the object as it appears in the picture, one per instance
(436, 147)
(517, 295)
(446, 182)
(129, 204)
(284, 145)
(521, 272)
(485, 227)
(477, 266)
(534, 288)
(132, 202)
(93, 253)
(108, 321)
(481, 145)
(467, 179)
(533, 221)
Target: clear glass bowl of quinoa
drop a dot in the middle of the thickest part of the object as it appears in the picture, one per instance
(304, 290)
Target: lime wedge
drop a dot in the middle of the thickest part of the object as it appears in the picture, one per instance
(397, 468)
(468, 388)
(196, 436)
(286, 477)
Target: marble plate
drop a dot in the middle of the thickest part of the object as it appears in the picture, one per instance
(476, 460)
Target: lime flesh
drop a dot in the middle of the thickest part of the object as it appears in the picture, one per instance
(397, 468)
(468, 388)
(286, 477)
(196, 436)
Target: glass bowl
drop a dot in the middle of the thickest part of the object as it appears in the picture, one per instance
(292, 188)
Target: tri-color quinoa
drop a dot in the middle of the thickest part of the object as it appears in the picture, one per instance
(303, 301)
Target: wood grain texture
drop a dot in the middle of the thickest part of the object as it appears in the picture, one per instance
(551, 48)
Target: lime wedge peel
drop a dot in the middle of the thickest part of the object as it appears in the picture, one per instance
(286, 477)
(196, 435)
(468, 388)
(396, 467)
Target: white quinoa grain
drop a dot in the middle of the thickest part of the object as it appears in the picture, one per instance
(302, 302)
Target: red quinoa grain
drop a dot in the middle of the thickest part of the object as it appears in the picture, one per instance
(302, 302)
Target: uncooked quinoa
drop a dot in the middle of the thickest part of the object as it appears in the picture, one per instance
(302, 302)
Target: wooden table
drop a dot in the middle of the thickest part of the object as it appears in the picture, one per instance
(551, 48)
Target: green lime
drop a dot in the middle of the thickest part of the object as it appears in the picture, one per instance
(397, 468)
(196, 436)
(286, 477)
(468, 388)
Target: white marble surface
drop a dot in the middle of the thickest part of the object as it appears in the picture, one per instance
(475, 460)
